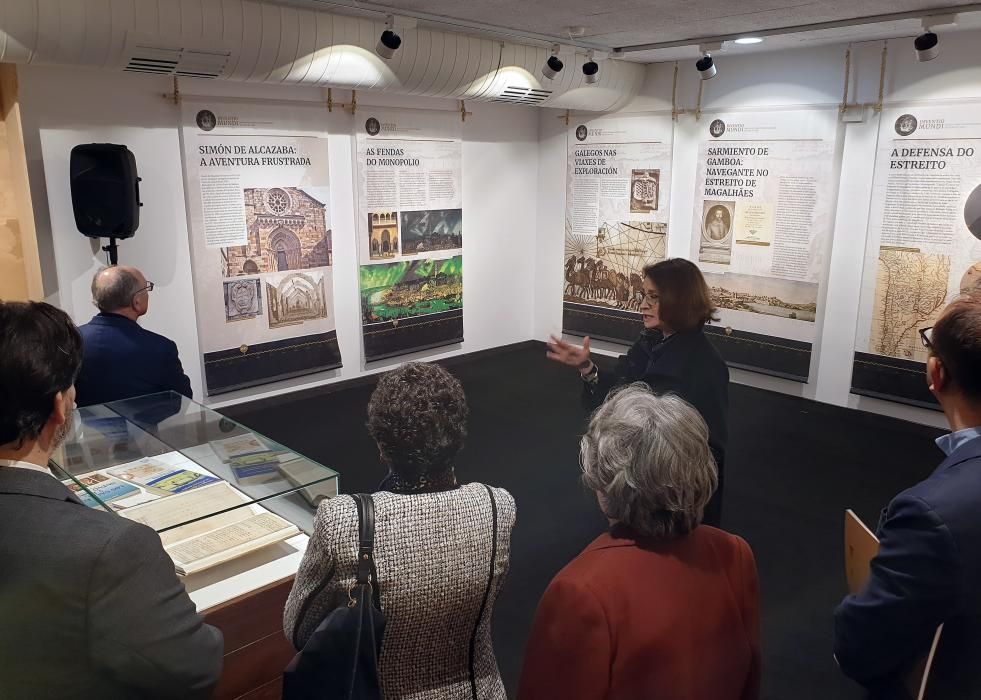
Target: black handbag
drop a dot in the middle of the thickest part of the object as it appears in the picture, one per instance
(340, 660)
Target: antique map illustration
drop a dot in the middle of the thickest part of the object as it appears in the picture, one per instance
(910, 291)
(606, 269)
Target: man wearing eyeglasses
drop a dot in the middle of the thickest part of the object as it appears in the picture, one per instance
(121, 359)
(928, 568)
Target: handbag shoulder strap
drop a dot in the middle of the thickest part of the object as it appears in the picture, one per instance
(487, 591)
(366, 536)
(366, 573)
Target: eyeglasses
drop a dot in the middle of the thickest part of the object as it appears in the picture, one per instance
(148, 288)
(652, 298)
(925, 337)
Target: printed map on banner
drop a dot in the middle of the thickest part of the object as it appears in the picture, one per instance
(617, 194)
(410, 230)
(258, 191)
(924, 242)
(762, 228)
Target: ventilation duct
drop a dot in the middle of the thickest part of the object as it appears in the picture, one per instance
(251, 41)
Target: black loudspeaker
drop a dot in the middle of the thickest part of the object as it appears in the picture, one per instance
(105, 190)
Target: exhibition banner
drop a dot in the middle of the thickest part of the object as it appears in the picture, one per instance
(410, 229)
(258, 202)
(616, 220)
(761, 231)
(923, 246)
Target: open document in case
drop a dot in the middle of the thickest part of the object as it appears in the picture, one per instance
(309, 476)
(208, 540)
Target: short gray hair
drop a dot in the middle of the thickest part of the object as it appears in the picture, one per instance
(115, 289)
(648, 458)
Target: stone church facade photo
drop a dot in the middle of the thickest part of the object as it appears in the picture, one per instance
(287, 230)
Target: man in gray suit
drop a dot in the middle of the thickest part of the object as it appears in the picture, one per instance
(90, 606)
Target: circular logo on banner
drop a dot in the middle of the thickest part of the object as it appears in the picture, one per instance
(372, 126)
(906, 125)
(206, 120)
(582, 132)
(717, 128)
(972, 212)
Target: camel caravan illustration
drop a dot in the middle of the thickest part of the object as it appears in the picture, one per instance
(589, 280)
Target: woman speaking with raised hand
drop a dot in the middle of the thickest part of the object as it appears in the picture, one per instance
(672, 355)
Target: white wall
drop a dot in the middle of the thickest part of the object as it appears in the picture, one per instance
(63, 107)
(514, 194)
(810, 77)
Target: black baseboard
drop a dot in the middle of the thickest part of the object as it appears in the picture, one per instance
(370, 379)
(892, 379)
(776, 357)
(407, 335)
(614, 325)
(814, 408)
(265, 363)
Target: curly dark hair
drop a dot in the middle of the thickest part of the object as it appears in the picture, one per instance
(418, 417)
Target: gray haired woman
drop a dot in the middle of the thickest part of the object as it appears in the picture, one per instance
(658, 606)
(442, 549)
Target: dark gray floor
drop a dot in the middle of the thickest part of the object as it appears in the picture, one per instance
(793, 467)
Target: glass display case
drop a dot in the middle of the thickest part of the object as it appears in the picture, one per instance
(213, 489)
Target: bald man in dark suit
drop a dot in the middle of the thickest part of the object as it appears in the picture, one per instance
(123, 360)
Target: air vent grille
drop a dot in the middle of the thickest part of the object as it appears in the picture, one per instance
(177, 61)
(523, 95)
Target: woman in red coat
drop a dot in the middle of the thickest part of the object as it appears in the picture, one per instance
(658, 606)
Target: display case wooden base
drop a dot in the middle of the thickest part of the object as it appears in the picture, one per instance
(256, 650)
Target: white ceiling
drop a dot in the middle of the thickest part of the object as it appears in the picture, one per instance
(620, 23)
(839, 35)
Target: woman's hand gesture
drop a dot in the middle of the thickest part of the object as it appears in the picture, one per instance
(568, 354)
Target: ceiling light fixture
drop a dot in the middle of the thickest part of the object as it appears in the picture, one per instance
(706, 67)
(389, 42)
(553, 66)
(590, 69)
(927, 46)
(746, 40)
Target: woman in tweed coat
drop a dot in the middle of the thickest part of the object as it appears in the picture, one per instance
(442, 550)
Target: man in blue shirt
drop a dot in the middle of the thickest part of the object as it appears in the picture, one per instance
(928, 569)
(122, 360)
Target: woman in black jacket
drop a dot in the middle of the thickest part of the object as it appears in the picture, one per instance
(672, 354)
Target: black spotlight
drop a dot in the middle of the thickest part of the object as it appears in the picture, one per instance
(706, 67)
(927, 47)
(590, 69)
(553, 66)
(389, 42)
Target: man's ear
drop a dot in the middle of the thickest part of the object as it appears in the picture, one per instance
(60, 409)
(937, 379)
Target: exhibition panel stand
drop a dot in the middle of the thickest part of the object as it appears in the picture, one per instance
(233, 509)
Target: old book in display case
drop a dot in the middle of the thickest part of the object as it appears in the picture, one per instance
(216, 492)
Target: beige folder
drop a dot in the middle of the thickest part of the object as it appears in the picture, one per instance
(861, 546)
